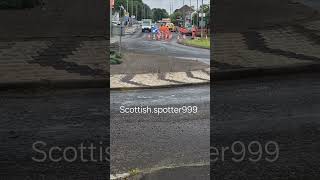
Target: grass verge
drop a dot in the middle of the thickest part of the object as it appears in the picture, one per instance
(200, 43)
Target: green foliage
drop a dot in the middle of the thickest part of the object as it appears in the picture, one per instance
(135, 7)
(158, 14)
(18, 4)
(115, 58)
(174, 17)
(206, 10)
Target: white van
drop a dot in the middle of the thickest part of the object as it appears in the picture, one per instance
(146, 25)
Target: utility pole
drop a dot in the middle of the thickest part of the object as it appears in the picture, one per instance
(144, 12)
(202, 20)
(131, 8)
(111, 18)
(137, 11)
(197, 13)
(190, 3)
(127, 5)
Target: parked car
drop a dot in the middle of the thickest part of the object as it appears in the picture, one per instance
(186, 30)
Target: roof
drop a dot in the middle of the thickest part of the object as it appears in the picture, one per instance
(184, 9)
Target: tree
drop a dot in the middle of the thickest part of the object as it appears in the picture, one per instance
(158, 14)
(135, 7)
(206, 11)
(175, 16)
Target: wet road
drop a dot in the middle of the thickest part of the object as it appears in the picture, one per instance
(147, 141)
(284, 110)
(61, 119)
(139, 42)
(315, 4)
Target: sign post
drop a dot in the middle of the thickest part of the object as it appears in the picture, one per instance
(111, 16)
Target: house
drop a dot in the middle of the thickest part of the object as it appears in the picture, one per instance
(186, 12)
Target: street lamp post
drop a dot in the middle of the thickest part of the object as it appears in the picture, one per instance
(197, 13)
(121, 28)
(131, 8)
(202, 20)
(136, 11)
(144, 11)
(127, 5)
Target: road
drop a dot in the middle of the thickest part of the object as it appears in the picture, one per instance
(64, 118)
(139, 42)
(280, 109)
(284, 110)
(150, 141)
(315, 4)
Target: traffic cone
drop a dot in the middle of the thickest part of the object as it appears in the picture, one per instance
(159, 36)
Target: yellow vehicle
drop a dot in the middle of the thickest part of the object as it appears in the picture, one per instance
(171, 27)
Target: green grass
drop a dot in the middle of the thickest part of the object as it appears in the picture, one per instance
(134, 172)
(201, 43)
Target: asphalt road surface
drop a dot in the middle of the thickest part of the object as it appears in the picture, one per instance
(58, 118)
(151, 141)
(315, 4)
(284, 110)
(281, 110)
(139, 42)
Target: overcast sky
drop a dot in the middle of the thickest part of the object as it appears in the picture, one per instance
(165, 4)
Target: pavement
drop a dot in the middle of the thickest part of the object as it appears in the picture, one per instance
(185, 173)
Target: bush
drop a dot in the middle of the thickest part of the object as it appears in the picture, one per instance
(18, 4)
(115, 58)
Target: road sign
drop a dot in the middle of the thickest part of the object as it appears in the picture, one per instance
(202, 14)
